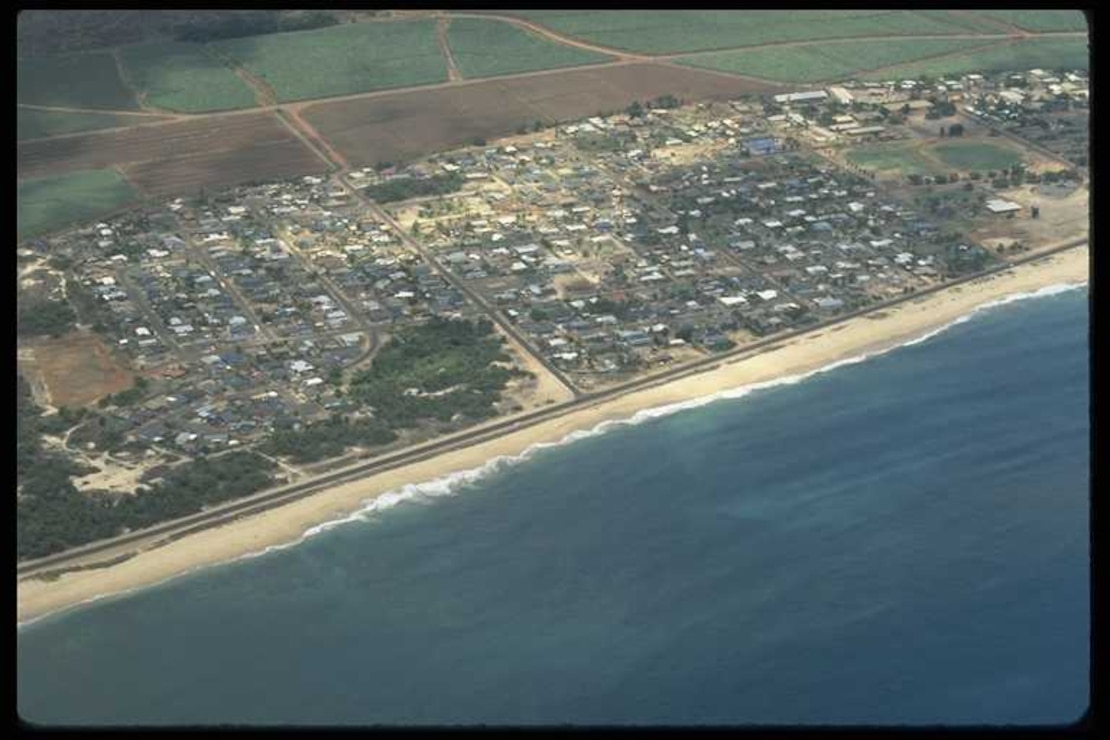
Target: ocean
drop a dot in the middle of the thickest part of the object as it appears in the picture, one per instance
(901, 540)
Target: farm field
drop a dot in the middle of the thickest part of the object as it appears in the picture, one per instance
(250, 162)
(180, 158)
(88, 80)
(50, 203)
(1046, 53)
(966, 156)
(149, 143)
(1039, 20)
(342, 60)
(677, 31)
(78, 369)
(416, 123)
(31, 123)
(826, 61)
(183, 77)
(484, 48)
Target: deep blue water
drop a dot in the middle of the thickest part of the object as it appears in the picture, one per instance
(903, 540)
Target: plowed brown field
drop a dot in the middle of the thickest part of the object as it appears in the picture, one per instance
(412, 124)
(177, 158)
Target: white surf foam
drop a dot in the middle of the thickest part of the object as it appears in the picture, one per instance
(451, 484)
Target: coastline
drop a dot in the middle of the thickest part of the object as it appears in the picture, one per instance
(791, 361)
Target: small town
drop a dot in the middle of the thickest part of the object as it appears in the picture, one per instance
(601, 250)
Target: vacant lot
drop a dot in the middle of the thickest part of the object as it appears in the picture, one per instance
(53, 202)
(966, 156)
(183, 77)
(490, 48)
(675, 31)
(342, 60)
(1046, 53)
(1039, 20)
(830, 60)
(78, 369)
(412, 124)
(31, 123)
(77, 80)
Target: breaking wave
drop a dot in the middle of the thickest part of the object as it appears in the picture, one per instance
(452, 483)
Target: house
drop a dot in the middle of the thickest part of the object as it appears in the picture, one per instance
(998, 205)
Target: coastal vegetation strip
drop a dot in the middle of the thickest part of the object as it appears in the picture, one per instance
(66, 562)
(183, 77)
(34, 123)
(488, 48)
(54, 515)
(342, 60)
(89, 80)
(832, 60)
(48, 203)
(677, 31)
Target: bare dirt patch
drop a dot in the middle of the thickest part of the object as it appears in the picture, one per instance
(408, 125)
(78, 369)
(1063, 217)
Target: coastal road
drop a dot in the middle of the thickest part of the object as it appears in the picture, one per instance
(107, 552)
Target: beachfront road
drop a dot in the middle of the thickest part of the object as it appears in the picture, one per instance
(104, 553)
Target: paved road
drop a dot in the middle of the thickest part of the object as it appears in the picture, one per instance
(98, 554)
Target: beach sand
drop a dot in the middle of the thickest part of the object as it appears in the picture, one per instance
(803, 354)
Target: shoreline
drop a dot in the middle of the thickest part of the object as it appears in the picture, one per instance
(791, 361)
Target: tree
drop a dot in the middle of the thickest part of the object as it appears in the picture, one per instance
(636, 110)
(956, 129)
(905, 109)
(942, 132)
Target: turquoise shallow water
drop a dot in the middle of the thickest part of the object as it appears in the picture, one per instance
(903, 540)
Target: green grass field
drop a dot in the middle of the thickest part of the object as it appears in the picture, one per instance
(676, 31)
(341, 60)
(490, 48)
(1039, 20)
(898, 156)
(49, 203)
(77, 80)
(1046, 53)
(183, 77)
(832, 60)
(33, 124)
(966, 156)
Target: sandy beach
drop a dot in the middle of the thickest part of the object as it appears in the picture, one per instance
(803, 354)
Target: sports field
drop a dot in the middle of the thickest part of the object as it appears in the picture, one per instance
(484, 48)
(901, 157)
(50, 203)
(676, 31)
(967, 156)
(31, 123)
(920, 158)
(828, 60)
(342, 60)
(88, 80)
(183, 77)
(1044, 53)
